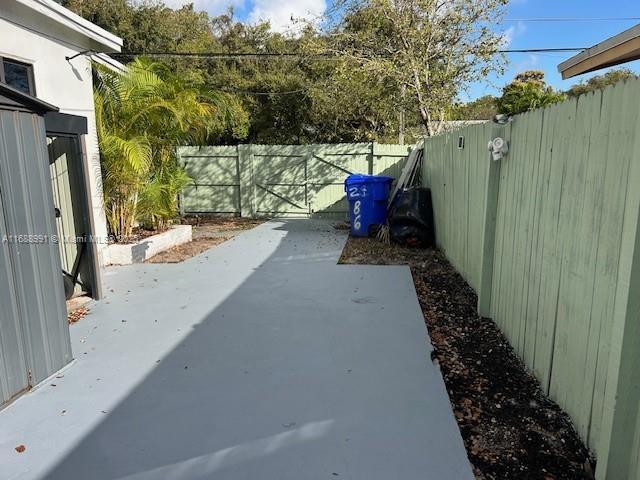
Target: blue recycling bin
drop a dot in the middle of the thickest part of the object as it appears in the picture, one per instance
(367, 196)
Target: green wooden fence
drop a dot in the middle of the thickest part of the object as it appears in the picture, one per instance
(548, 237)
(273, 180)
(457, 178)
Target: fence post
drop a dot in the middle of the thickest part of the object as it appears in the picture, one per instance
(492, 190)
(178, 152)
(245, 171)
(371, 158)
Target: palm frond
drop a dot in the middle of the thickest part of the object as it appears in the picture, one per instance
(142, 115)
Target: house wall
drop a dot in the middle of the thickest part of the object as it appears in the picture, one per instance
(65, 84)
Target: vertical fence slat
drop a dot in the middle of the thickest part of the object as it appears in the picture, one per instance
(491, 190)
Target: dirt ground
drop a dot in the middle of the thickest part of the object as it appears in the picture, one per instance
(207, 233)
(511, 429)
(219, 224)
(187, 250)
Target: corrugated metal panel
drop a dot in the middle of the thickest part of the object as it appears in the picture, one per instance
(13, 362)
(29, 214)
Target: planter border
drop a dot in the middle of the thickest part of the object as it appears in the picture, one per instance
(127, 254)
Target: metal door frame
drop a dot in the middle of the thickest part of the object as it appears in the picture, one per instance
(75, 127)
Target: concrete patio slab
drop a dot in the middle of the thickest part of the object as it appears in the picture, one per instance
(259, 359)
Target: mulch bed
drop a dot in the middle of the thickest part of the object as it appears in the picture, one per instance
(222, 223)
(138, 234)
(208, 232)
(510, 428)
(182, 252)
(205, 223)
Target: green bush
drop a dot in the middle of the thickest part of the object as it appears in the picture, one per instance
(142, 115)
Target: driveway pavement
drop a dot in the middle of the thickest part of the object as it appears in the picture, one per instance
(260, 359)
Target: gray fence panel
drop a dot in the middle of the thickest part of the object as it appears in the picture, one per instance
(29, 215)
(13, 364)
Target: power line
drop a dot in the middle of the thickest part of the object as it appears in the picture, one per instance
(542, 50)
(224, 56)
(270, 55)
(573, 19)
(250, 92)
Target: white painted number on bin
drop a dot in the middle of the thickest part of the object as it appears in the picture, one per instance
(353, 192)
(356, 211)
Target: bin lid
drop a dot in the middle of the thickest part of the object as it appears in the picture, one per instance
(358, 178)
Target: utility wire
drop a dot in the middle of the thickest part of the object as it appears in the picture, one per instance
(542, 50)
(574, 19)
(269, 55)
(250, 92)
(223, 56)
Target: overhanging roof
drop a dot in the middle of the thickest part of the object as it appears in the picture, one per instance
(622, 48)
(100, 39)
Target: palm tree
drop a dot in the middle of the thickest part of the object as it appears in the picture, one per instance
(142, 115)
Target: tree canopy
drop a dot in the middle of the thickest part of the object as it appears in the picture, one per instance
(483, 108)
(391, 67)
(601, 81)
(527, 91)
(424, 51)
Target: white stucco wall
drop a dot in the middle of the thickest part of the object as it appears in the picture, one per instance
(34, 39)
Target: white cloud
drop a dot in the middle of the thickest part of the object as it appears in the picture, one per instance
(530, 62)
(512, 32)
(213, 7)
(281, 12)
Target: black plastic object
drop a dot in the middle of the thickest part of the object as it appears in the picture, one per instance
(411, 218)
(71, 279)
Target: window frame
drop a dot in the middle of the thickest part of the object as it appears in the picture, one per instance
(29, 67)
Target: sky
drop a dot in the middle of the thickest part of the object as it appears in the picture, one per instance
(518, 31)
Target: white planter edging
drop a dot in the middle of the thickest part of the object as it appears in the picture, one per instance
(126, 254)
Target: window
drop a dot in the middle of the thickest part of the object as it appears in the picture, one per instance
(18, 75)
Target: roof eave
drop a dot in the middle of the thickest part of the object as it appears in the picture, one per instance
(621, 48)
(103, 40)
